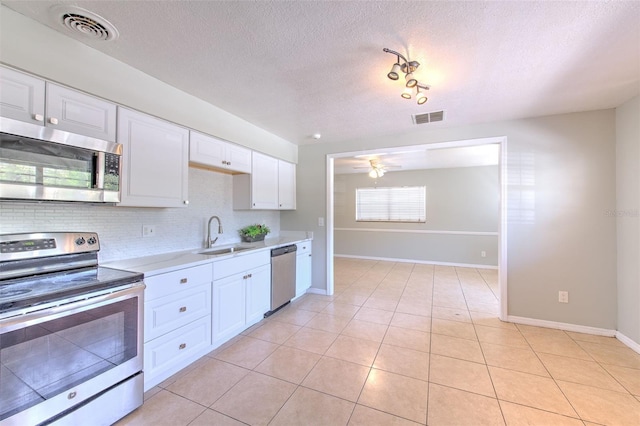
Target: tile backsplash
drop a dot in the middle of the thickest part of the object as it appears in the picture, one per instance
(120, 228)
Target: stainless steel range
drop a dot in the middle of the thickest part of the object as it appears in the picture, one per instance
(70, 332)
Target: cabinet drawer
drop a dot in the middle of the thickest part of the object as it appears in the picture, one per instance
(172, 282)
(171, 349)
(173, 311)
(238, 264)
(303, 248)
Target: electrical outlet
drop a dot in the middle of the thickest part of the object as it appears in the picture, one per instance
(148, 230)
(321, 221)
(563, 296)
(483, 253)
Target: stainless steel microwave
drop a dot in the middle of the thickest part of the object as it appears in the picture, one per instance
(44, 164)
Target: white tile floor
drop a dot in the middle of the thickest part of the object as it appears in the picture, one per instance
(402, 344)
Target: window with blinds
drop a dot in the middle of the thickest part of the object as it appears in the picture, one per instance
(394, 204)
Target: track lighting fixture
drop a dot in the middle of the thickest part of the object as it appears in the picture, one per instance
(411, 83)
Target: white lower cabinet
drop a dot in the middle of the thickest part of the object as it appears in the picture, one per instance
(241, 293)
(303, 268)
(258, 296)
(177, 321)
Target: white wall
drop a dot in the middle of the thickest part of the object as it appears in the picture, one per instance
(460, 202)
(120, 228)
(627, 217)
(35, 48)
(561, 181)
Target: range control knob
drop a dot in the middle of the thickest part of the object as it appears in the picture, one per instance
(92, 240)
(80, 241)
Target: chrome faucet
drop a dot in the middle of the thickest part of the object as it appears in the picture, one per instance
(211, 242)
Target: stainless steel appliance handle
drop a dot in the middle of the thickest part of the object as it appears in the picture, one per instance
(72, 307)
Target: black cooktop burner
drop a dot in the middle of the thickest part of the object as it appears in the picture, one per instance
(35, 290)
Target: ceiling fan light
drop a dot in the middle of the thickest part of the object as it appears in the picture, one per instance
(411, 80)
(394, 74)
(406, 93)
(373, 173)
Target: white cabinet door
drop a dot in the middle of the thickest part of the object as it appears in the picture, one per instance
(80, 113)
(209, 151)
(155, 161)
(21, 96)
(264, 182)
(303, 268)
(238, 158)
(286, 185)
(175, 350)
(228, 307)
(258, 294)
(206, 150)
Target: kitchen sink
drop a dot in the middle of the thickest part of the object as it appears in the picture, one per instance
(220, 251)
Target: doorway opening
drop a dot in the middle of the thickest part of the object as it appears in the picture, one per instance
(502, 227)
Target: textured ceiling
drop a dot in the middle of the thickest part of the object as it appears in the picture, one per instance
(299, 68)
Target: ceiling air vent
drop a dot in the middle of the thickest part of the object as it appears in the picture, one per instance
(84, 23)
(428, 117)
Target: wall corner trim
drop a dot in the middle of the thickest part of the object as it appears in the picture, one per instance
(627, 341)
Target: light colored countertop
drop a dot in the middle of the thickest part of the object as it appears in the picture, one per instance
(167, 262)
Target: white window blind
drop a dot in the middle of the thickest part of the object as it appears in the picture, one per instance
(393, 204)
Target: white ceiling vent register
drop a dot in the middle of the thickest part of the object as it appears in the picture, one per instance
(84, 23)
(428, 117)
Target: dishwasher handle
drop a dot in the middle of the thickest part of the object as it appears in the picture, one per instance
(283, 250)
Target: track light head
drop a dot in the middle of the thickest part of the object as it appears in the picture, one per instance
(394, 74)
(406, 94)
(411, 80)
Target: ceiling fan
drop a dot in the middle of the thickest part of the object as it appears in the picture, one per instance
(377, 169)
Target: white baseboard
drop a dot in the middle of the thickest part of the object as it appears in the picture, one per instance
(627, 341)
(314, 290)
(562, 326)
(423, 262)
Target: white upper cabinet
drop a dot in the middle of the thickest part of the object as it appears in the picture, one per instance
(30, 99)
(286, 185)
(259, 190)
(21, 96)
(264, 182)
(209, 151)
(155, 161)
(77, 112)
(270, 186)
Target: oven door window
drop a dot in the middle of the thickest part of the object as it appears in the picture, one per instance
(43, 360)
(28, 161)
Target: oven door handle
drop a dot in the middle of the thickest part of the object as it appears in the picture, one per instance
(70, 307)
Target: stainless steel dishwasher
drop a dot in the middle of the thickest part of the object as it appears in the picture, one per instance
(283, 276)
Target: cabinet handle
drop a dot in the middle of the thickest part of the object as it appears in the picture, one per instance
(38, 117)
(228, 163)
(53, 120)
(250, 275)
(182, 346)
(183, 281)
(183, 309)
(71, 395)
(186, 202)
(244, 277)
